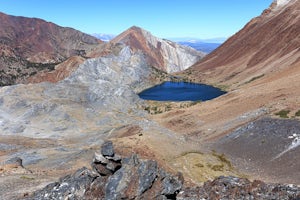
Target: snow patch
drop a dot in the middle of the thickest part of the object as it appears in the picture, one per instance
(295, 143)
(282, 2)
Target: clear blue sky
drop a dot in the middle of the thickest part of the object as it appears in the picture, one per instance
(163, 18)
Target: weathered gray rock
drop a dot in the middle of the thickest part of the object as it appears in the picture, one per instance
(107, 149)
(240, 189)
(99, 158)
(115, 158)
(171, 186)
(101, 169)
(15, 161)
(113, 166)
(70, 187)
(148, 173)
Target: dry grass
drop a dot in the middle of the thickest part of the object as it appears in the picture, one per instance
(201, 166)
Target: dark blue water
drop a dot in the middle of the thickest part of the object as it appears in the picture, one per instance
(181, 91)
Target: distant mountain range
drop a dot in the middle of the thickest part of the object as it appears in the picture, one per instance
(104, 37)
(218, 40)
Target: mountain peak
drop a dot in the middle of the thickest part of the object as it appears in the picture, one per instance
(160, 53)
(135, 28)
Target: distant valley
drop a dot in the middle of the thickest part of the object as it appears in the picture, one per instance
(201, 46)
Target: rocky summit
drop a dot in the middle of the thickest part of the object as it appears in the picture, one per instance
(162, 54)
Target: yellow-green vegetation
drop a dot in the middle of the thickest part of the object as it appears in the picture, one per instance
(222, 158)
(158, 107)
(158, 75)
(203, 166)
(283, 113)
(189, 152)
(297, 114)
(254, 78)
(224, 88)
(27, 177)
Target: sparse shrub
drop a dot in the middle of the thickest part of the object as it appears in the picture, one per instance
(283, 113)
(297, 114)
(255, 78)
(33, 73)
(223, 159)
(199, 165)
(218, 167)
(27, 177)
(189, 152)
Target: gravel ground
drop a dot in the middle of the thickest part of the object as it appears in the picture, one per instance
(268, 148)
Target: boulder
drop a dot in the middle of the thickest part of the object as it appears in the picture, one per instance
(107, 149)
(69, 187)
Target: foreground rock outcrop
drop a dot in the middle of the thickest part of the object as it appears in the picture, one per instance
(114, 177)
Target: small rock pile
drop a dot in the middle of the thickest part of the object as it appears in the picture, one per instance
(114, 177)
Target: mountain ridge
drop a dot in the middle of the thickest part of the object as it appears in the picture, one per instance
(252, 50)
(29, 45)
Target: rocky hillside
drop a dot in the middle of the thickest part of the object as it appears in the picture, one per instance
(93, 84)
(29, 45)
(160, 53)
(267, 44)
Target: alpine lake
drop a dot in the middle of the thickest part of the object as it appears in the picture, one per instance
(181, 91)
